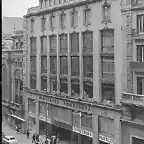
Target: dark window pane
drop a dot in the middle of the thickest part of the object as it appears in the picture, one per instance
(44, 83)
(86, 120)
(140, 23)
(137, 141)
(43, 45)
(33, 81)
(33, 63)
(75, 66)
(75, 88)
(63, 44)
(64, 86)
(88, 42)
(53, 65)
(21, 85)
(88, 66)
(53, 44)
(140, 53)
(43, 22)
(108, 41)
(108, 92)
(33, 45)
(63, 65)
(75, 43)
(88, 89)
(43, 64)
(53, 85)
(139, 85)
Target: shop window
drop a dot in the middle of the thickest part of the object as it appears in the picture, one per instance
(43, 64)
(44, 83)
(88, 89)
(137, 140)
(33, 46)
(107, 39)
(53, 44)
(74, 42)
(53, 65)
(75, 88)
(88, 42)
(140, 53)
(43, 23)
(42, 109)
(63, 86)
(86, 120)
(108, 68)
(75, 66)
(33, 81)
(63, 65)
(63, 43)
(43, 45)
(108, 92)
(88, 66)
(62, 20)
(33, 64)
(87, 16)
(53, 85)
(77, 119)
(74, 18)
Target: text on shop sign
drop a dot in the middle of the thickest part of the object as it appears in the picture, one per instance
(83, 131)
(106, 139)
(66, 103)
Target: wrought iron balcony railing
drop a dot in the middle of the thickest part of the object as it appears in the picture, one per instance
(138, 32)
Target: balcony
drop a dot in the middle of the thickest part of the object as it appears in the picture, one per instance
(138, 34)
(136, 65)
(132, 99)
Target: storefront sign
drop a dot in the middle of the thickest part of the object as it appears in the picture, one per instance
(43, 118)
(62, 125)
(67, 103)
(106, 139)
(83, 131)
(31, 114)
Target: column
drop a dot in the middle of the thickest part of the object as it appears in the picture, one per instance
(58, 66)
(13, 83)
(117, 129)
(143, 85)
(38, 64)
(79, 139)
(26, 114)
(81, 64)
(48, 64)
(95, 129)
(69, 67)
(96, 65)
(37, 116)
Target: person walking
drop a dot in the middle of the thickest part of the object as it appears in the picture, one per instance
(28, 133)
(33, 138)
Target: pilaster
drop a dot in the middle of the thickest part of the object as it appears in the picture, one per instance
(69, 67)
(58, 66)
(37, 116)
(48, 64)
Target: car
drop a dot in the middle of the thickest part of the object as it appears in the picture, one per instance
(9, 140)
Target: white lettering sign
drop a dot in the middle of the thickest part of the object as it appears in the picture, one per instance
(83, 131)
(106, 139)
(43, 118)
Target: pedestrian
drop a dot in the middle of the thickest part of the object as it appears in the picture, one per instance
(37, 138)
(28, 133)
(33, 138)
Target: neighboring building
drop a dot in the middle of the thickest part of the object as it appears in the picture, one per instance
(72, 70)
(12, 79)
(132, 121)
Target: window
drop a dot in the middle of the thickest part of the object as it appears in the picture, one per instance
(32, 25)
(50, 2)
(16, 64)
(16, 85)
(60, 1)
(33, 45)
(139, 85)
(86, 120)
(75, 66)
(20, 64)
(43, 64)
(75, 88)
(87, 16)
(88, 42)
(74, 18)
(43, 45)
(53, 44)
(140, 53)
(43, 23)
(108, 68)
(63, 43)
(137, 141)
(106, 12)
(53, 85)
(107, 39)
(64, 86)
(21, 85)
(52, 22)
(33, 64)
(62, 20)
(74, 42)
(33, 81)
(88, 66)
(77, 119)
(108, 92)
(140, 23)
(53, 65)
(88, 89)
(63, 65)
(43, 83)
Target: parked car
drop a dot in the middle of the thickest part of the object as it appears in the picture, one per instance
(9, 140)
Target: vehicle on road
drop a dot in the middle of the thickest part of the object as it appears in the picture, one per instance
(9, 140)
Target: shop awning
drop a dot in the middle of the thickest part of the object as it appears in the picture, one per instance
(17, 117)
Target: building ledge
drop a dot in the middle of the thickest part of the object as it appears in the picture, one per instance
(137, 65)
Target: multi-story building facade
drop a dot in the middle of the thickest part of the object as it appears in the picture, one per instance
(12, 80)
(132, 122)
(72, 69)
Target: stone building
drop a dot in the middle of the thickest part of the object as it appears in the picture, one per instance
(132, 121)
(72, 70)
